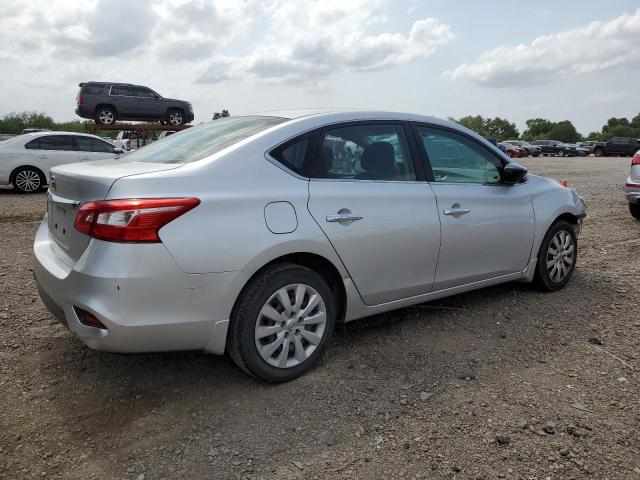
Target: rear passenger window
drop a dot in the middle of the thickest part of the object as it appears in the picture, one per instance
(365, 152)
(298, 153)
(56, 142)
(122, 90)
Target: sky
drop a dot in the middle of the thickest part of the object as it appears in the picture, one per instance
(573, 59)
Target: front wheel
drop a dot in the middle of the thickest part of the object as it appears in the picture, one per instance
(634, 210)
(175, 118)
(281, 323)
(557, 257)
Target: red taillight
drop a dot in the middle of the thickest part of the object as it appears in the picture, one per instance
(80, 99)
(130, 220)
(636, 159)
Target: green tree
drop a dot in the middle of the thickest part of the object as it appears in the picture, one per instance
(537, 128)
(564, 131)
(477, 123)
(501, 129)
(498, 128)
(222, 114)
(15, 122)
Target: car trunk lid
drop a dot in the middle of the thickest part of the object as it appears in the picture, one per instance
(74, 184)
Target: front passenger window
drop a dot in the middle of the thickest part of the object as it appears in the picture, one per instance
(457, 159)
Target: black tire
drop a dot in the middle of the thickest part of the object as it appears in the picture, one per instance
(634, 210)
(598, 152)
(241, 343)
(542, 279)
(105, 116)
(28, 180)
(174, 117)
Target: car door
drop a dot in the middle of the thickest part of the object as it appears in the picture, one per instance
(49, 151)
(93, 149)
(125, 101)
(487, 226)
(368, 195)
(148, 105)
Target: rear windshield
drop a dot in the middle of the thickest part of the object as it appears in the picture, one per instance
(199, 142)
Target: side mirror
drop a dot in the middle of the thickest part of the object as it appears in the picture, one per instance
(513, 173)
(118, 151)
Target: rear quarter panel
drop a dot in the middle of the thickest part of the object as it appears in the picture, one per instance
(227, 231)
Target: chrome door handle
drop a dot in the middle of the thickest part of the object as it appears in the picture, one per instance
(42, 156)
(456, 211)
(343, 217)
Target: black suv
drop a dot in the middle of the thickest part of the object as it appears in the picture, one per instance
(107, 102)
(624, 146)
(554, 147)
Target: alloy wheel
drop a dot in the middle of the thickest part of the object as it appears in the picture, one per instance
(290, 325)
(28, 181)
(560, 256)
(106, 117)
(175, 118)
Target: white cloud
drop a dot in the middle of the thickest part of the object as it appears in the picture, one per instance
(608, 98)
(311, 41)
(593, 48)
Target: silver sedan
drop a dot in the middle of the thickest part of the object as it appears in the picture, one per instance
(254, 235)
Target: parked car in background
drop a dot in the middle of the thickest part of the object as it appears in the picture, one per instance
(130, 140)
(26, 160)
(254, 235)
(623, 146)
(532, 150)
(578, 150)
(166, 133)
(554, 147)
(107, 102)
(632, 187)
(512, 150)
(590, 144)
(34, 130)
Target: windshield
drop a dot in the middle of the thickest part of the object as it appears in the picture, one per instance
(196, 143)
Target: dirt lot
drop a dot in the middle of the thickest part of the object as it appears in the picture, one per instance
(498, 383)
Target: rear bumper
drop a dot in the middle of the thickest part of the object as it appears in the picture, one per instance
(632, 191)
(146, 302)
(84, 112)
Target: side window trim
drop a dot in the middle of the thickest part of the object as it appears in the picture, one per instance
(314, 172)
(425, 157)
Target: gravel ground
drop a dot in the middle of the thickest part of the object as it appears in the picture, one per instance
(504, 382)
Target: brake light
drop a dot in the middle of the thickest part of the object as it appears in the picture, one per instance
(80, 99)
(136, 220)
(636, 159)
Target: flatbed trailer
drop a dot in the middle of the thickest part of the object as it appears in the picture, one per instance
(142, 130)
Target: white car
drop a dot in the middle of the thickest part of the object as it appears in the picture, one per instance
(25, 160)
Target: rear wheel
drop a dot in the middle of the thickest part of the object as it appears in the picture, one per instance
(557, 257)
(634, 209)
(281, 323)
(598, 152)
(28, 180)
(105, 116)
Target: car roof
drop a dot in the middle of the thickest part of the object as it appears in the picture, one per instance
(47, 133)
(341, 115)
